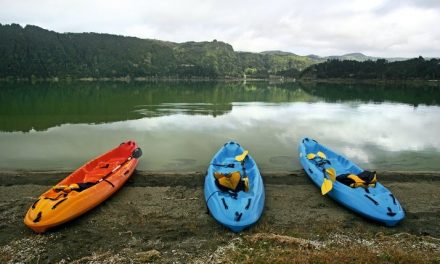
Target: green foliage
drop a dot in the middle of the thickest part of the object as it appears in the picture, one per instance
(35, 52)
(212, 59)
(417, 68)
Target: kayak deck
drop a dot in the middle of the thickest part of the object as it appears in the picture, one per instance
(236, 210)
(98, 179)
(376, 203)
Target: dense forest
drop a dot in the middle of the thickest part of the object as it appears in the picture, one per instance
(412, 69)
(32, 52)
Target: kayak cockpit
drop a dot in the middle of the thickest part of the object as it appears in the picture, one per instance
(234, 207)
(348, 184)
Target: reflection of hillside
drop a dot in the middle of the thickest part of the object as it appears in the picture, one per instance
(44, 105)
(403, 93)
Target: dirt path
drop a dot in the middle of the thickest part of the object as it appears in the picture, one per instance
(162, 218)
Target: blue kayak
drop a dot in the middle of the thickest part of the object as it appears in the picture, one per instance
(371, 201)
(234, 209)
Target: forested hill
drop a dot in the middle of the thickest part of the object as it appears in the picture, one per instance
(35, 52)
(412, 69)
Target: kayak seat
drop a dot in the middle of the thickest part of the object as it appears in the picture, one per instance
(100, 170)
(231, 182)
(90, 177)
(73, 187)
(364, 179)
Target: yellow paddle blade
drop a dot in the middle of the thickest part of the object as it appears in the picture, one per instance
(326, 186)
(242, 156)
(74, 186)
(59, 187)
(311, 156)
(331, 173)
(322, 155)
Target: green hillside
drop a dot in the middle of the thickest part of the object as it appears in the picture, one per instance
(35, 52)
(412, 69)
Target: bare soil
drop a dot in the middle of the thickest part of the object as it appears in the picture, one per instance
(162, 217)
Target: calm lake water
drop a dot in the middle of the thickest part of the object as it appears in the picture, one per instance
(179, 126)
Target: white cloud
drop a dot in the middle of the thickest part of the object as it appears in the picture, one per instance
(363, 132)
(356, 124)
(375, 27)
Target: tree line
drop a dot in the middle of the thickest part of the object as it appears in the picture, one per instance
(412, 69)
(34, 52)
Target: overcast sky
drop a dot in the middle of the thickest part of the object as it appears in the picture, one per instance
(393, 28)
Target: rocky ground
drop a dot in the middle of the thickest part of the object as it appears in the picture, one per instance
(161, 217)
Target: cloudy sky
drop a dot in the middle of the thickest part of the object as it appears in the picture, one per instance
(389, 28)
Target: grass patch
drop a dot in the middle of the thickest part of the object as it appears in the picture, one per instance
(336, 248)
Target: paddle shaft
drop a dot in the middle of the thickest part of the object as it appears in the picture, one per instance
(115, 169)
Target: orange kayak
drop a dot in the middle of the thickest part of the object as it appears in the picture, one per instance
(84, 189)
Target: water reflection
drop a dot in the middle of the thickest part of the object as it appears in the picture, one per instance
(413, 94)
(387, 136)
(25, 107)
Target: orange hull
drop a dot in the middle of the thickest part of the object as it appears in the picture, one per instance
(56, 207)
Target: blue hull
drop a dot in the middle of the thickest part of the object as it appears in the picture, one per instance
(376, 203)
(244, 210)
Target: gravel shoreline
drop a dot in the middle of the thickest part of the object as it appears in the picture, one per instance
(161, 217)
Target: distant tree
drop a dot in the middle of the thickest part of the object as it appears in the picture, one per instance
(33, 52)
(417, 68)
